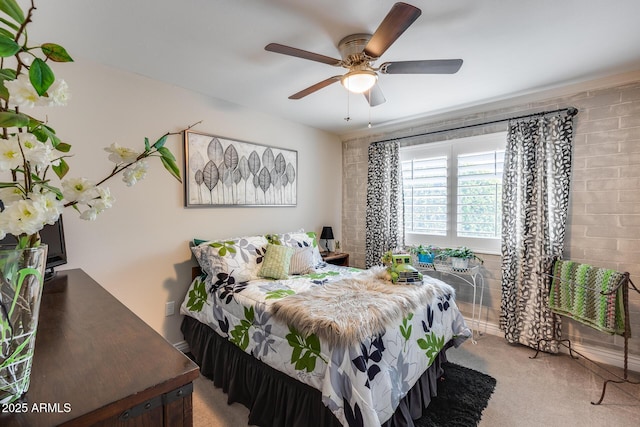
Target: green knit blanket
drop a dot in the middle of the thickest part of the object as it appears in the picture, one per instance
(576, 292)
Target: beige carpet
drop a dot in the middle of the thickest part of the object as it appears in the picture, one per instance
(210, 407)
(552, 390)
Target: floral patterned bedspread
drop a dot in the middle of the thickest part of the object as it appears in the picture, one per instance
(362, 384)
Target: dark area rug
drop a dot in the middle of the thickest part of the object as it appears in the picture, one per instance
(462, 396)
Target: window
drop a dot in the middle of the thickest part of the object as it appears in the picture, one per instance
(453, 192)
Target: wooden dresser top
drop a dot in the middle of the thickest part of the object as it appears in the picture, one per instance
(94, 358)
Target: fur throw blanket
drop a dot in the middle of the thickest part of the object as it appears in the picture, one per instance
(347, 311)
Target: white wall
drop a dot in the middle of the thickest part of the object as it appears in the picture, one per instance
(138, 250)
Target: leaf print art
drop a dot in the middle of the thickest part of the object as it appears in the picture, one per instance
(229, 288)
(240, 334)
(225, 172)
(219, 316)
(197, 295)
(405, 329)
(398, 375)
(264, 181)
(224, 247)
(353, 416)
(431, 344)
(262, 335)
(280, 293)
(368, 360)
(305, 350)
(209, 176)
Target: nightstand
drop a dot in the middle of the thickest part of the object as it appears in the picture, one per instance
(336, 258)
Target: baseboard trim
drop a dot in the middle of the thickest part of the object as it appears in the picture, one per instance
(601, 355)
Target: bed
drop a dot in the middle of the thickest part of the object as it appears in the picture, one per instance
(302, 342)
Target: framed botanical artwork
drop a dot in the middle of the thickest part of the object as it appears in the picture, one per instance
(225, 172)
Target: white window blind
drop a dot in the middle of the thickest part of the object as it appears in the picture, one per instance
(480, 194)
(425, 195)
(453, 192)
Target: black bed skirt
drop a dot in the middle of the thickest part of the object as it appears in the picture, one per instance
(276, 400)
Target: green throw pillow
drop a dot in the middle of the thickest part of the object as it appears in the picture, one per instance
(276, 262)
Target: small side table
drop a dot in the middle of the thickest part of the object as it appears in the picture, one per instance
(471, 276)
(336, 258)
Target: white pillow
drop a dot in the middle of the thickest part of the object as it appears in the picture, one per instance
(302, 261)
(239, 258)
(299, 239)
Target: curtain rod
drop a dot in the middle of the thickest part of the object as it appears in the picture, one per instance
(571, 111)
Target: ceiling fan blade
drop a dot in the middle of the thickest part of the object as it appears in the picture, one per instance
(315, 87)
(375, 96)
(292, 51)
(399, 18)
(429, 66)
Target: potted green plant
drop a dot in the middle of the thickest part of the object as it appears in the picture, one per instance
(425, 254)
(460, 257)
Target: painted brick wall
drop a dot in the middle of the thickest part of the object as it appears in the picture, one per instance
(604, 217)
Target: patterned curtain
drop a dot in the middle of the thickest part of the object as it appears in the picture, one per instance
(385, 209)
(536, 181)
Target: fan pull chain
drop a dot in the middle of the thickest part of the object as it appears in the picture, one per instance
(369, 125)
(346, 119)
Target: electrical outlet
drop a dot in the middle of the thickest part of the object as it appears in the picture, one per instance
(170, 308)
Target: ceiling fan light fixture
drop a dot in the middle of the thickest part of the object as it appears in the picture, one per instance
(359, 81)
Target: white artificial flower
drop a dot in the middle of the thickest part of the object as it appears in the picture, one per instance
(78, 189)
(89, 215)
(102, 201)
(21, 92)
(23, 217)
(54, 156)
(59, 93)
(38, 154)
(105, 200)
(118, 154)
(10, 156)
(10, 194)
(135, 173)
(49, 204)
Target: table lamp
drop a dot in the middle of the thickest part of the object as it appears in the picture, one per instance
(327, 234)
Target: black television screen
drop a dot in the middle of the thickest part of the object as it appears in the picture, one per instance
(53, 237)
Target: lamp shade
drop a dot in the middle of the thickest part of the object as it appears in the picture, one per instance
(359, 81)
(327, 233)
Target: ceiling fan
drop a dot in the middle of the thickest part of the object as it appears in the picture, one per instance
(359, 51)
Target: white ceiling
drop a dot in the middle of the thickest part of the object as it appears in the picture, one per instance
(216, 47)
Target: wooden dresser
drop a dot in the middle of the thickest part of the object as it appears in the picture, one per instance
(98, 364)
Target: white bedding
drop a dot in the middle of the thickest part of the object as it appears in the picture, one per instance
(362, 383)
